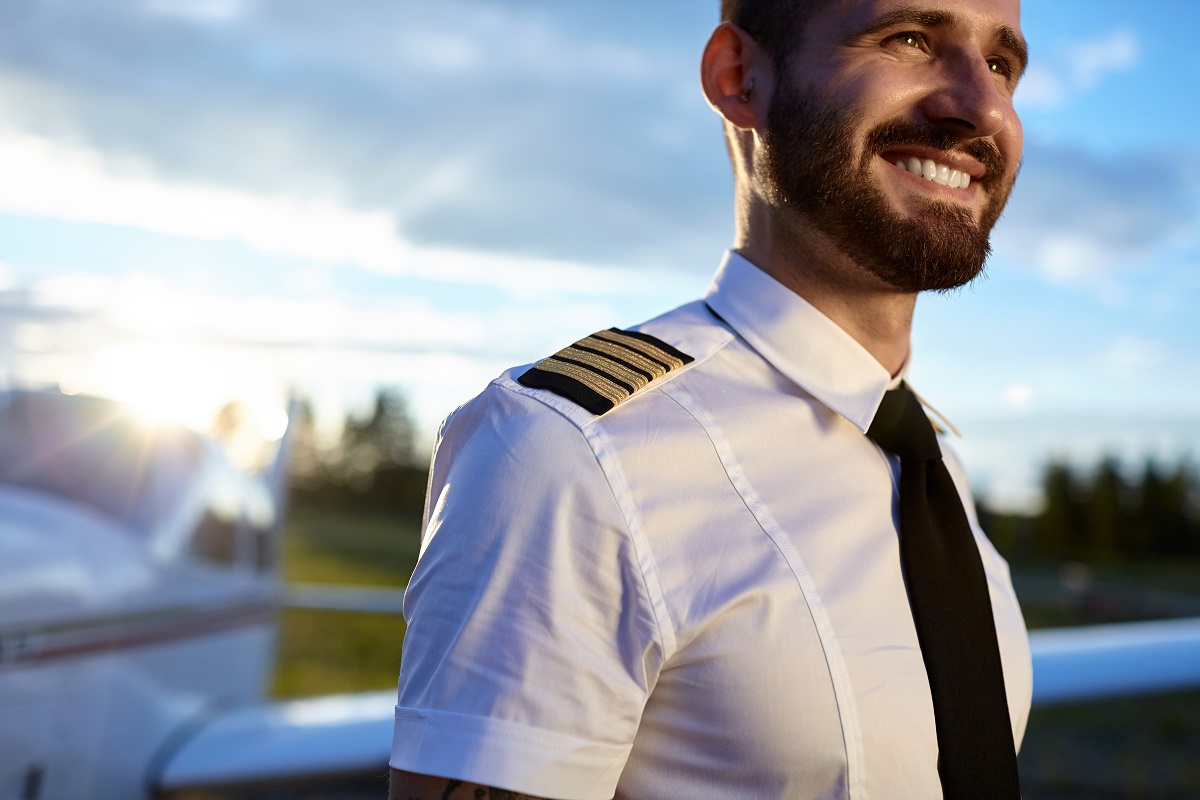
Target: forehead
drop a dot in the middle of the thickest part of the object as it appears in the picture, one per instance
(981, 17)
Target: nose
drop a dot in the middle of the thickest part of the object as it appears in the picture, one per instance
(969, 99)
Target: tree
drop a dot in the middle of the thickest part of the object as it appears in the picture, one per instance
(1164, 511)
(1153, 515)
(372, 467)
(308, 466)
(1107, 517)
(384, 440)
(1061, 528)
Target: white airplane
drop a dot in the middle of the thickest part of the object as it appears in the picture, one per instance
(138, 597)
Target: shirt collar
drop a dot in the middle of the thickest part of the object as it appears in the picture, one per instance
(799, 341)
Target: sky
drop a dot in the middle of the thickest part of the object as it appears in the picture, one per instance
(214, 200)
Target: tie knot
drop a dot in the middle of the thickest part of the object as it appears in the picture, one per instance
(901, 427)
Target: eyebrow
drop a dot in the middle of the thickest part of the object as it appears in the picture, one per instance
(1015, 42)
(1007, 37)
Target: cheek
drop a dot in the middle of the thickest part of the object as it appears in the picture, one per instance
(868, 89)
(1017, 145)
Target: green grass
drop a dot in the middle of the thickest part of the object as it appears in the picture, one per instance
(1137, 747)
(337, 547)
(323, 652)
(1175, 575)
(328, 652)
(1140, 747)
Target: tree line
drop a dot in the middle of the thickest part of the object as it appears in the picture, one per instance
(1105, 513)
(372, 466)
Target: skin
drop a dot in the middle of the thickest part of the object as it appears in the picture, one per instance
(411, 786)
(946, 71)
(955, 67)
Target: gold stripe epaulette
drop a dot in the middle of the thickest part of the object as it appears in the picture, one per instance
(605, 369)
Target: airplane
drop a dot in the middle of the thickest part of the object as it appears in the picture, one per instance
(139, 594)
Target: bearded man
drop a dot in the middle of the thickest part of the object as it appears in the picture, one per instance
(723, 554)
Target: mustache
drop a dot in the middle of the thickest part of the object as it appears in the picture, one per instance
(897, 134)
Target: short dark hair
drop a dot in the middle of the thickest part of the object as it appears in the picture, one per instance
(777, 25)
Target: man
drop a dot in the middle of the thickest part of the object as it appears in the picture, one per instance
(668, 562)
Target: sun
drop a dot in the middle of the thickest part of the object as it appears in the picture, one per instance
(187, 384)
(159, 382)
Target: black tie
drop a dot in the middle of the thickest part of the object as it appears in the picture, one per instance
(947, 590)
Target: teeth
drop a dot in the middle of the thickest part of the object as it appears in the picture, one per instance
(932, 171)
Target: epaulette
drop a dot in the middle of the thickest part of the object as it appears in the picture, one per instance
(605, 369)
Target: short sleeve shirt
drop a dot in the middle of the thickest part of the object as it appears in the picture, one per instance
(696, 594)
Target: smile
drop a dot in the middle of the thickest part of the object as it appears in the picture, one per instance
(931, 170)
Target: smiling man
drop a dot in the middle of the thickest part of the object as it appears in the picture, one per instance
(723, 554)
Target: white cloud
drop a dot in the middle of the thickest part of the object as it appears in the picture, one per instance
(147, 307)
(47, 178)
(140, 340)
(1041, 87)
(199, 10)
(1083, 261)
(1017, 395)
(533, 129)
(490, 40)
(1091, 61)
(1076, 69)
(1091, 221)
(1068, 258)
(78, 293)
(1131, 355)
(33, 336)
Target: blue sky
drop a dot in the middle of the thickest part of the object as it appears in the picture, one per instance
(203, 200)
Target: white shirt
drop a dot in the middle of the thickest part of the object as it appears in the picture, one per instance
(697, 594)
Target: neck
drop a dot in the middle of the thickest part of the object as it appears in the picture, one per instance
(803, 259)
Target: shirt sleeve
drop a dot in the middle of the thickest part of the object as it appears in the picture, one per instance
(531, 645)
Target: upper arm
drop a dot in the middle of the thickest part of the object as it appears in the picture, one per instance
(411, 786)
(532, 641)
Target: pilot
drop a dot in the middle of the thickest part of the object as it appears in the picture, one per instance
(724, 553)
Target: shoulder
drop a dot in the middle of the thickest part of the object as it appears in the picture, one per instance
(598, 374)
(549, 419)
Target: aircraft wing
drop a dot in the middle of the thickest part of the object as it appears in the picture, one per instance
(284, 742)
(1073, 664)
(351, 734)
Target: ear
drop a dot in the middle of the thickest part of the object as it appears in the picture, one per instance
(736, 76)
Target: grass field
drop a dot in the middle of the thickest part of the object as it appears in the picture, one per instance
(1142, 748)
(323, 652)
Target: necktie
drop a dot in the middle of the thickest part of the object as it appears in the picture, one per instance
(947, 590)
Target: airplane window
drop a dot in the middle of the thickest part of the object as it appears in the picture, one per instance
(215, 538)
(264, 548)
(90, 452)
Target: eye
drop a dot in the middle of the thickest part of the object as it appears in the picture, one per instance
(1000, 66)
(908, 39)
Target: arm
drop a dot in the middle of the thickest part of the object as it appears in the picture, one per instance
(532, 640)
(411, 786)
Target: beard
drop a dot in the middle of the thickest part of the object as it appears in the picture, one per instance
(809, 165)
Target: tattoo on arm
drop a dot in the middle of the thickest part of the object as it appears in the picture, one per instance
(414, 786)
